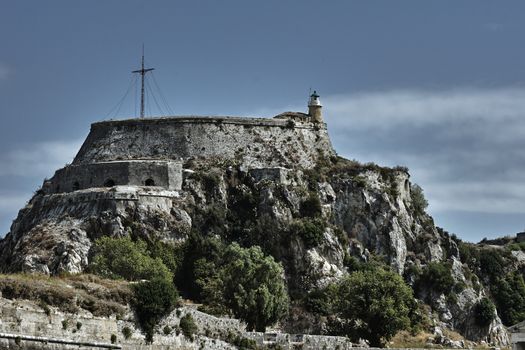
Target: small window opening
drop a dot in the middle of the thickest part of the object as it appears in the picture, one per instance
(109, 183)
(76, 186)
(149, 182)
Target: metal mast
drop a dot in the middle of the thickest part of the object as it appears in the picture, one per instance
(142, 72)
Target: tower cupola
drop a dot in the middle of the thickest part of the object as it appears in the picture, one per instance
(314, 108)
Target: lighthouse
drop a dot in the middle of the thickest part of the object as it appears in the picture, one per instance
(314, 108)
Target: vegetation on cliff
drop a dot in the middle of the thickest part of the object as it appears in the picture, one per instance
(371, 303)
(501, 273)
(229, 279)
(337, 250)
(155, 295)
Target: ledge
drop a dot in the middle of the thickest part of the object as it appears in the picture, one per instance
(58, 341)
(191, 119)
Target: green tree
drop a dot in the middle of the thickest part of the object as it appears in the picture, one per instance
(509, 294)
(436, 277)
(419, 202)
(153, 300)
(211, 287)
(492, 263)
(190, 277)
(311, 231)
(188, 326)
(122, 258)
(374, 304)
(169, 253)
(484, 312)
(254, 286)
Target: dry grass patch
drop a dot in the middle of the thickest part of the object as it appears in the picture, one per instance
(69, 293)
(405, 339)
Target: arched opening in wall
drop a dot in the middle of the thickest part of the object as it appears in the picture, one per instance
(109, 183)
(149, 182)
(57, 189)
(407, 185)
(76, 186)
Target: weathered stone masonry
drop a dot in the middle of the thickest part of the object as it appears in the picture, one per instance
(166, 174)
(150, 152)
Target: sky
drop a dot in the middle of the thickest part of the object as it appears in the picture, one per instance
(437, 86)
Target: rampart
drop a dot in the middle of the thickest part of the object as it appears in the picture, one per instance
(166, 174)
(287, 140)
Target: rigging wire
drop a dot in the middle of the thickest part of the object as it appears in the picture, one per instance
(166, 104)
(148, 88)
(152, 90)
(118, 106)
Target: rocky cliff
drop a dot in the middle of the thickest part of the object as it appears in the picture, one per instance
(317, 218)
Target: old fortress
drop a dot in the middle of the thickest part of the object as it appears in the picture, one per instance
(151, 152)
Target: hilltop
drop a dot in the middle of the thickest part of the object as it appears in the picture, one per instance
(203, 202)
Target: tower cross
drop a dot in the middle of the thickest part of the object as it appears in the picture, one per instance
(142, 72)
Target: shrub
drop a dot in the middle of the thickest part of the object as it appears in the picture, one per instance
(311, 231)
(211, 181)
(468, 253)
(126, 332)
(231, 279)
(169, 254)
(320, 301)
(113, 339)
(188, 326)
(492, 263)
(419, 202)
(436, 277)
(153, 300)
(516, 246)
(509, 294)
(360, 181)
(374, 304)
(79, 325)
(123, 258)
(484, 312)
(65, 324)
(311, 206)
(244, 343)
(167, 330)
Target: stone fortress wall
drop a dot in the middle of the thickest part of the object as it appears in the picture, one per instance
(150, 152)
(256, 141)
(26, 326)
(166, 174)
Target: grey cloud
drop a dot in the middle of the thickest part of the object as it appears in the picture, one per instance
(39, 159)
(464, 146)
(10, 201)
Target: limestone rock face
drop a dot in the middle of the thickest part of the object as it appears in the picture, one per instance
(283, 190)
(54, 233)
